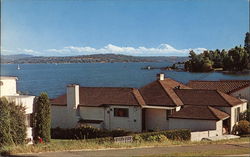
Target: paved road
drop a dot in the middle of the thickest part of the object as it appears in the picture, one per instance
(139, 151)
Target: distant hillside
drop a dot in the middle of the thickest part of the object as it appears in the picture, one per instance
(12, 58)
(96, 58)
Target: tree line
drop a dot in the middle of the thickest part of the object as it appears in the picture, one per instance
(235, 59)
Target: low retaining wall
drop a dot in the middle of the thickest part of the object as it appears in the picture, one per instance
(199, 135)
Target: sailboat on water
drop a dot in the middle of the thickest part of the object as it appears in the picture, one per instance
(18, 67)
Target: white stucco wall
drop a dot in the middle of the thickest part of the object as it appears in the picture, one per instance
(192, 124)
(243, 93)
(59, 117)
(8, 86)
(24, 100)
(131, 123)
(155, 119)
(29, 134)
(92, 113)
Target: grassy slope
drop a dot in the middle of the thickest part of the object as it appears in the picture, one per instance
(63, 145)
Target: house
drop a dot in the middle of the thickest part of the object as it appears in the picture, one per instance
(160, 105)
(102, 107)
(236, 88)
(9, 91)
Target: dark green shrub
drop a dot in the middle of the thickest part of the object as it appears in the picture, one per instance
(42, 119)
(243, 127)
(182, 134)
(12, 123)
(5, 136)
(85, 132)
(17, 123)
(119, 132)
(157, 138)
(137, 138)
(245, 115)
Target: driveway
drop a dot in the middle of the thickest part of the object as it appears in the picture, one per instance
(139, 151)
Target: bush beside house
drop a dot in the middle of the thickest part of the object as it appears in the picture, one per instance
(242, 128)
(12, 123)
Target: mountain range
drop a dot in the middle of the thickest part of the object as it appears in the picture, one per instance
(95, 58)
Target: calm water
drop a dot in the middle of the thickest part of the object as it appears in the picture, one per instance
(52, 78)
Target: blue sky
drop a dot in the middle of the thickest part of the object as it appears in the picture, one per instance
(133, 27)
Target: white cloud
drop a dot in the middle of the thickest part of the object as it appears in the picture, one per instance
(28, 51)
(19, 51)
(161, 50)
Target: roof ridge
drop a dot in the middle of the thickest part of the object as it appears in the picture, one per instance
(197, 89)
(235, 80)
(210, 109)
(137, 99)
(218, 80)
(108, 87)
(165, 90)
(220, 93)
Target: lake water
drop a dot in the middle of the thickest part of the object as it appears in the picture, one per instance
(51, 78)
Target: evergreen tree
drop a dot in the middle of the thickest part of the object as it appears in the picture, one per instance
(42, 118)
(247, 42)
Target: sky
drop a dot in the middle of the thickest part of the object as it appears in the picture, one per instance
(130, 27)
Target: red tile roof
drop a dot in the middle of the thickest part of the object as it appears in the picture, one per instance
(200, 112)
(97, 96)
(165, 92)
(206, 97)
(160, 93)
(226, 86)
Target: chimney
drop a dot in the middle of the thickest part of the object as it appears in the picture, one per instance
(72, 96)
(160, 76)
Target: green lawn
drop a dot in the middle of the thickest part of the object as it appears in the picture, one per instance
(63, 145)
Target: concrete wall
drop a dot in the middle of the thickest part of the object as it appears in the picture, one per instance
(243, 93)
(192, 124)
(199, 135)
(131, 123)
(7, 86)
(155, 119)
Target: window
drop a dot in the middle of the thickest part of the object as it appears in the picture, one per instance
(237, 114)
(169, 112)
(121, 112)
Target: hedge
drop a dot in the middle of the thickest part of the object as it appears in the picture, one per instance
(85, 132)
(182, 134)
(88, 132)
